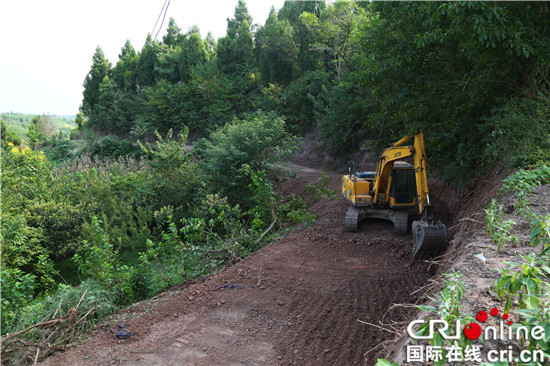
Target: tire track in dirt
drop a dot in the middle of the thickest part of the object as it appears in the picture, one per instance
(298, 301)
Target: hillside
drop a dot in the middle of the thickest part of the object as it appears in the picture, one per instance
(19, 123)
(170, 179)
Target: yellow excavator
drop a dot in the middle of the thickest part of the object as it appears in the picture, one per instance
(399, 185)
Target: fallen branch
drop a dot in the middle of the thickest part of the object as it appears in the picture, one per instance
(275, 220)
(43, 343)
(49, 322)
(375, 347)
(85, 315)
(379, 327)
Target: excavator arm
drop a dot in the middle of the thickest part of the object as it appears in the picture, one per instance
(421, 173)
(398, 152)
(429, 235)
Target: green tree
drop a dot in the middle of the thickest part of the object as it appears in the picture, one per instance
(169, 62)
(80, 120)
(240, 16)
(235, 50)
(101, 68)
(194, 54)
(173, 36)
(148, 59)
(8, 135)
(308, 59)
(125, 66)
(34, 135)
(276, 50)
(258, 141)
(336, 32)
(104, 114)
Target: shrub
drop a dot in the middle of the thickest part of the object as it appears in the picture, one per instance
(17, 291)
(321, 188)
(97, 258)
(259, 140)
(295, 211)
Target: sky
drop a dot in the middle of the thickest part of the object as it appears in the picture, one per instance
(47, 45)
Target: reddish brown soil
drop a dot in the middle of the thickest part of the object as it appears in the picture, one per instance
(296, 301)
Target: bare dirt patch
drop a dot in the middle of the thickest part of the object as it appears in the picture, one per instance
(295, 302)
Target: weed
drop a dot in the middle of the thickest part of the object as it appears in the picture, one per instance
(447, 307)
(527, 282)
(498, 228)
(540, 233)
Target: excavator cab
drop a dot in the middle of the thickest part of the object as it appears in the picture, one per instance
(403, 185)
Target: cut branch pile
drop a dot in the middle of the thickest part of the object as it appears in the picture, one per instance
(38, 341)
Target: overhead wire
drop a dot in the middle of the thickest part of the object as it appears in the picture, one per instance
(165, 10)
(167, 3)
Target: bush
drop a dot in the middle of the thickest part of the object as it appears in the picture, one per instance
(259, 140)
(97, 258)
(320, 189)
(99, 301)
(17, 291)
(111, 147)
(295, 211)
(60, 225)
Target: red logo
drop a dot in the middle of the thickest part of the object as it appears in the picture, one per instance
(473, 330)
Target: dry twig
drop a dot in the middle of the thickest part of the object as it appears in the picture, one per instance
(379, 327)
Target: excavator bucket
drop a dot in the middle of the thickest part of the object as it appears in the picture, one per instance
(429, 238)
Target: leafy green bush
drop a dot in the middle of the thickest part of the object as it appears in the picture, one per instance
(320, 189)
(8, 135)
(60, 224)
(169, 154)
(525, 179)
(258, 140)
(527, 280)
(97, 258)
(17, 291)
(113, 147)
(295, 211)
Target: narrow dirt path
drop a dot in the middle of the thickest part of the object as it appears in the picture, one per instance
(294, 302)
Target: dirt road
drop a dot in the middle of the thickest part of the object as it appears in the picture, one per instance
(295, 302)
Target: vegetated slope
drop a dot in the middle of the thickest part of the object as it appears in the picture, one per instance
(296, 301)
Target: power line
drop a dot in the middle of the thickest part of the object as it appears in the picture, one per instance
(163, 17)
(165, 10)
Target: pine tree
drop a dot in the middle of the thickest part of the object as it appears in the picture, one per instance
(235, 50)
(101, 68)
(124, 68)
(173, 35)
(193, 54)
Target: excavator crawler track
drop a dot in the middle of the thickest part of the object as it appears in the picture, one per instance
(352, 219)
(400, 222)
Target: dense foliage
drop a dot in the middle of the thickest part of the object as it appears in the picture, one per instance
(137, 225)
(124, 207)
